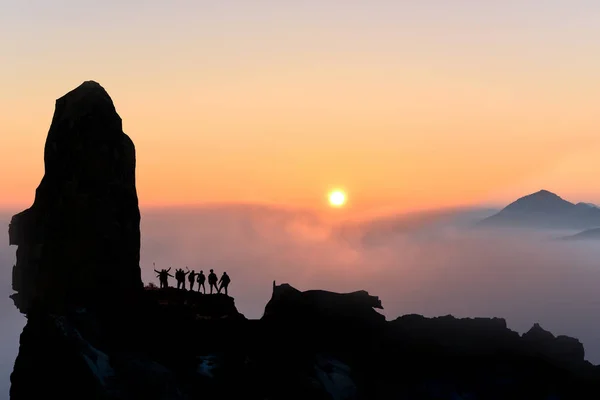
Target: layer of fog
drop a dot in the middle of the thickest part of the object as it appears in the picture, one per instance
(428, 263)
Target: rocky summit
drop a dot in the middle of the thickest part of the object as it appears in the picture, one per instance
(93, 332)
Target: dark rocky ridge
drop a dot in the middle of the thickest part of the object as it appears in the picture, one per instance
(92, 333)
(306, 346)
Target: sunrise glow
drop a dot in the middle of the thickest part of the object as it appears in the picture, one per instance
(284, 98)
(337, 198)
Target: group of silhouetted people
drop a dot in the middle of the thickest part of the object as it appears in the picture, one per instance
(193, 277)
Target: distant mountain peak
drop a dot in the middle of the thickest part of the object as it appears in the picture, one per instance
(539, 201)
(544, 209)
(543, 194)
(544, 191)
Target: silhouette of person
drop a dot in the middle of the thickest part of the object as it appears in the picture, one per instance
(192, 279)
(201, 279)
(212, 281)
(159, 275)
(224, 282)
(163, 277)
(180, 276)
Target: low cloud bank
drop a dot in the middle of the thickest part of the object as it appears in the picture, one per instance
(429, 263)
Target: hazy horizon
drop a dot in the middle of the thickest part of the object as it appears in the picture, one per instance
(339, 216)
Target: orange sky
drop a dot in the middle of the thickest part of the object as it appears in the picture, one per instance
(482, 105)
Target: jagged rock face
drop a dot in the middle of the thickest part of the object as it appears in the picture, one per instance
(80, 240)
(563, 349)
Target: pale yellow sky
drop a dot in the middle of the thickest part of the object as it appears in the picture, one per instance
(401, 105)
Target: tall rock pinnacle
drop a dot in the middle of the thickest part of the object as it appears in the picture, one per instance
(79, 243)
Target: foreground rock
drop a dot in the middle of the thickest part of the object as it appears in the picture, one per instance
(190, 346)
(93, 333)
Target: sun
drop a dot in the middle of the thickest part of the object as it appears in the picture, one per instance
(337, 198)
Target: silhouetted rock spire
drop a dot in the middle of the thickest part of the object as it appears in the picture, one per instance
(79, 242)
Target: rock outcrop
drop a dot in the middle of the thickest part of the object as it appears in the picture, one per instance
(327, 307)
(94, 333)
(77, 275)
(80, 240)
(562, 349)
(194, 304)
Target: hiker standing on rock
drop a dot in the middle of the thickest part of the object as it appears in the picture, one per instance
(180, 276)
(224, 282)
(163, 276)
(192, 279)
(201, 279)
(212, 281)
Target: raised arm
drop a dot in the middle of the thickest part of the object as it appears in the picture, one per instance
(169, 269)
